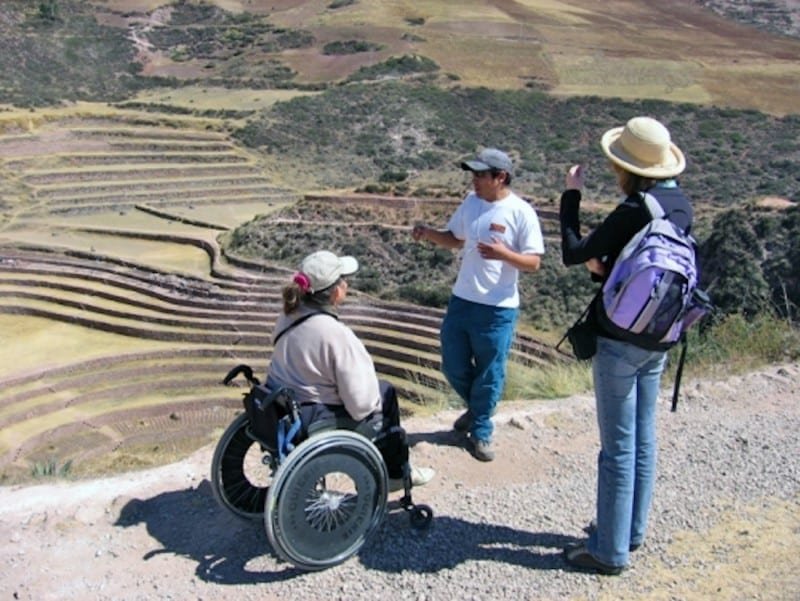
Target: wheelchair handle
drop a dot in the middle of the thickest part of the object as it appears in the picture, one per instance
(241, 369)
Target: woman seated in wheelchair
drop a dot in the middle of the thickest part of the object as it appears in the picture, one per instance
(328, 367)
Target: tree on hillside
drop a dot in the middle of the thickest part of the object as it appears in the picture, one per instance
(781, 269)
(731, 266)
(48, 10)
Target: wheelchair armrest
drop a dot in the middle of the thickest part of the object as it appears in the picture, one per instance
(284, 397)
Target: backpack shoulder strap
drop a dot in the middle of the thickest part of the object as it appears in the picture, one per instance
(299, 321)
(653, 206)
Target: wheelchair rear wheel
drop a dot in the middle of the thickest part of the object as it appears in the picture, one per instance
(326, 498)
(241, 471)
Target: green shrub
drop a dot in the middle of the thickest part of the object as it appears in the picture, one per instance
(349, 47)
(736, 343)
(50, 469)
(393, 176)
(48, 10)
(425, 294)
(396, 66)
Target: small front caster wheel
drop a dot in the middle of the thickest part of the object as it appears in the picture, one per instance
(421, 517)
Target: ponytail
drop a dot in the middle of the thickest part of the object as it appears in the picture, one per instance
(292, 297)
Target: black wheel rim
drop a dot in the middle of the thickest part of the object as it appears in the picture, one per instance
(235, 489)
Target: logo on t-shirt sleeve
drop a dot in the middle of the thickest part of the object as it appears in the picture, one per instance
(497, 227)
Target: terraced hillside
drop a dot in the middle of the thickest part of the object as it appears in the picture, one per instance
(119, 315)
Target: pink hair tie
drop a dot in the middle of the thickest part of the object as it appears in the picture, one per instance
(302, 282)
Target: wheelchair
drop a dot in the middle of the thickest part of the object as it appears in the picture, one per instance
(320, 489)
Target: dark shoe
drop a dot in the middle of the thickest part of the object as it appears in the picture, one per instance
(580, 558)
(463, 423)
(482, 450)
(592, 526)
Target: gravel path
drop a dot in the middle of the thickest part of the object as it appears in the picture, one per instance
(725, 522)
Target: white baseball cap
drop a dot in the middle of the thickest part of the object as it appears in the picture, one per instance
(323, 269)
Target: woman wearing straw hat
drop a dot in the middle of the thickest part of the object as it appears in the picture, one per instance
(626, 377)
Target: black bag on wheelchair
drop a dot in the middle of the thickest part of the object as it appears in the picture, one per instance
(268, 411)
(264, 411)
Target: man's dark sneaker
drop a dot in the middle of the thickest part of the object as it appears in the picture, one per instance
(463, 423)
(482, 450)
(580, 558)
(592, 526)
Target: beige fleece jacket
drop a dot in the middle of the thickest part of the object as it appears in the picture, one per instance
(324, 362)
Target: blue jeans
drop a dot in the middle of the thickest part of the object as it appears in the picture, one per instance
(475, 340)
(626, 383)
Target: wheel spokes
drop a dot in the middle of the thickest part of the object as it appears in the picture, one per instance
(327, 510)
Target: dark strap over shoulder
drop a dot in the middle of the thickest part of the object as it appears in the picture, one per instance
(297, 322)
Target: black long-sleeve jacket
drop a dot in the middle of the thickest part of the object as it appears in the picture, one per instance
(609, 238)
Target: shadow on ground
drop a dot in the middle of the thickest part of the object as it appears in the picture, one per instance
(440, 438)
(189, 523)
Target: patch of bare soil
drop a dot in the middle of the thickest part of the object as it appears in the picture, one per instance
(158, 534)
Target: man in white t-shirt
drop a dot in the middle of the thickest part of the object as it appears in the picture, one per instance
(499, 236)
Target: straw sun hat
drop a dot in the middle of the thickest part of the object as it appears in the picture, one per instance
(644, 147)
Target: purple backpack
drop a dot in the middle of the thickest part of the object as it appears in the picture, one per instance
(651, 296)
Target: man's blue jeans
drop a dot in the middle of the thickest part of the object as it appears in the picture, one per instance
(475, 340)
(626, 383)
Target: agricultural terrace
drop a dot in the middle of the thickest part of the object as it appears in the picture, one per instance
(119, 311)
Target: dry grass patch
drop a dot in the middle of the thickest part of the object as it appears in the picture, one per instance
(601, 75)
(216, 98)
(456, 55)
(179, 258)
(30, 343)
(751, 553)
(132, 220)
(143, 5)
(231, 214)
(30, 120)
(766, 84)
